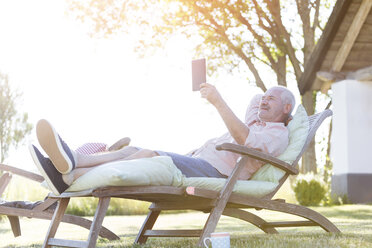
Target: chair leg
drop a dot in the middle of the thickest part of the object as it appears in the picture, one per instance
(57, 217)
(212, 222)
(221, 201)
(311, 215)
(102, 207)
(75, 220)
(95, 228)
(249, 217)
(14, 223)
(85, 223)
(315, 218)
(151, 218)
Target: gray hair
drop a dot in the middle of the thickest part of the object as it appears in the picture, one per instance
(286, 96)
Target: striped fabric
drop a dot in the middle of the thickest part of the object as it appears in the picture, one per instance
(91, 148)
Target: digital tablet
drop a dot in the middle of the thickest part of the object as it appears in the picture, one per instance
(199, 73)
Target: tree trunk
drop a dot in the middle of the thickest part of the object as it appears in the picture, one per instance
(327, 176)
(281, 74)
(309, 157)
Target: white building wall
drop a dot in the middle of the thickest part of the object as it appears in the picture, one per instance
(352, 127)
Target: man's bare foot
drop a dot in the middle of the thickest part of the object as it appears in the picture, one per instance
(120, 144)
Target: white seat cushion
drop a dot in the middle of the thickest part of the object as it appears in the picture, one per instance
(139, 172)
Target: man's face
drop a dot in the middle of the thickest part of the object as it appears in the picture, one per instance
(271, 106)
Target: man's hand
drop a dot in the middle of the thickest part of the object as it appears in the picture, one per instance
(210, 93)
(288, 120)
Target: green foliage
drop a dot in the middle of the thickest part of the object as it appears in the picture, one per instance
(309, 191)
(21, 189)
(338, 200)
(327, 179)
(86, 206)
(245, 35)
(13, 125)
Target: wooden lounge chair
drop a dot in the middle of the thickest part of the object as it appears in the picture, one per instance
(216, 203)
(41, 209)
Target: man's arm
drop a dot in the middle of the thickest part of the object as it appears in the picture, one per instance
(238, 130)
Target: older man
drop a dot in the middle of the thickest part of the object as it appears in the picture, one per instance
(263, 129)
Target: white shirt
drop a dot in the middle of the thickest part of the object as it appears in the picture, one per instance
(269, 137)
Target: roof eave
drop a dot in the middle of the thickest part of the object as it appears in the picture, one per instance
(313, 64)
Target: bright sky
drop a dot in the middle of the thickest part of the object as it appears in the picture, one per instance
(97, 90)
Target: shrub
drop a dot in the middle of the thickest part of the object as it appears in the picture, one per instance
(338, 200)
(309, 191)
(86, 206)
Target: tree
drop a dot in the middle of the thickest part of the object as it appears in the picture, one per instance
(13, 126)
(258, 35)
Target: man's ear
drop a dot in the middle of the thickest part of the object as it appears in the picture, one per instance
(287, 108)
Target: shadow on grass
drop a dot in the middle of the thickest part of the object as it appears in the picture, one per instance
(28, 246)
(360, 214)
(6, 228)
(261, 241)
(293, 240)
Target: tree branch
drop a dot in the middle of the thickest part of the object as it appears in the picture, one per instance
(259, 38)
(316, 15)
(261, 13)
(219, 30)
(275, 11)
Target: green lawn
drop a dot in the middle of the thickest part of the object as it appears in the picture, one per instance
(354, 221)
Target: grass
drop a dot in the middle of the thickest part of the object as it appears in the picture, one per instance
(354, 221)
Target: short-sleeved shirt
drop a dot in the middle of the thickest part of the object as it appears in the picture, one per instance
(268, 137)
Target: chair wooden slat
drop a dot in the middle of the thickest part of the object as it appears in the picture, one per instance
(23, 173)
(314, 123)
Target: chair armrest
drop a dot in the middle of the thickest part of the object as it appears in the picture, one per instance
(23, 173)
(4, 181)
(243, 150)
